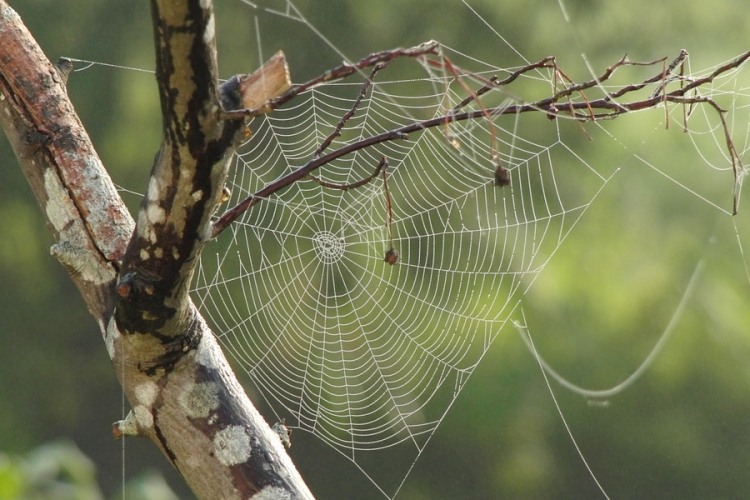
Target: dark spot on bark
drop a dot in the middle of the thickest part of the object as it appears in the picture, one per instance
(230, 94)
(175, 349)
(162, 440)
(140, 303)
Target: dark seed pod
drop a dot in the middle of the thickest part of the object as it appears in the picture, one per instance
(502, 176)
(391, 256)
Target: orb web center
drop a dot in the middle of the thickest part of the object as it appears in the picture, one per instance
(328, 246)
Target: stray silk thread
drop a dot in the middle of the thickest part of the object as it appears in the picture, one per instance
(122, 419)
(107, 65)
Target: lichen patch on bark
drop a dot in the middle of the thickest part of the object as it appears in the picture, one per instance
(199, 400)
(146, 393)
(232, 445)
(144, 417)
(273, 493)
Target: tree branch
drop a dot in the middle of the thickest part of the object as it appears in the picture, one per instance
(194, 408)
(89, 221)
(183, 392)
(607, 107)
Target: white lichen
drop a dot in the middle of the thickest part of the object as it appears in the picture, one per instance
(210, 33)
(59, 207)
(203, 354)
(146, 393)
(154, 189)
(129, 426)
(200, 399)
(141, 225)
(144, 417)
(72, 247)
(145, 229)
(110, 336)
(232, 445)
(272, 493)
(155, 213)
(72, 253)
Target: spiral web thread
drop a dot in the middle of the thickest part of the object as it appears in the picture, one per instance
(363, 354)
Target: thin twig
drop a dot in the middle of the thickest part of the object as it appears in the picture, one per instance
(391, 255)
(337, 73)
(598, 109)
(354, 185)
(342, 123)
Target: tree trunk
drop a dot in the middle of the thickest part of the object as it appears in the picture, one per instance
(135, 278)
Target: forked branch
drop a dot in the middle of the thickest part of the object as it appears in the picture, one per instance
(338, 73)
(560, 104)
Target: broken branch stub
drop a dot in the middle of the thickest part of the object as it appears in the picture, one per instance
(266, 83)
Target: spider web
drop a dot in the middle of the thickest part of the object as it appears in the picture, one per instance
(363, 354)
(369, 357)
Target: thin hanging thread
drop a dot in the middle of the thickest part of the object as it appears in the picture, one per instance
(122, 417)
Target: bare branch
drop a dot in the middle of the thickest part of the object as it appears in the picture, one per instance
(607, 107)
(184, 395)
(199, 415)
(354, 185)
(90, 223)
(337, 73)
(342, 123)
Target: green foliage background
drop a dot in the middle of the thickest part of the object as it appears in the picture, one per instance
(595, 313)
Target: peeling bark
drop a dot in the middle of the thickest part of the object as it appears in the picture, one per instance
(135, 277)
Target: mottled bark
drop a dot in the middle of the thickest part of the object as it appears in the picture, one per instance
(135, 277)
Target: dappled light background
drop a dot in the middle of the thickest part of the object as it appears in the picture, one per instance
(595, 313)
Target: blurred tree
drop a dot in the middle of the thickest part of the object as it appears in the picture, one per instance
(59, 471)
(678, 435)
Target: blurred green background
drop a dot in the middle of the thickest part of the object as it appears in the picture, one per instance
(597, 310)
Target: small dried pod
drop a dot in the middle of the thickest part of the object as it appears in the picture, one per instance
(502, 176)
(125, 285)
(553, 112)
(391, 256)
